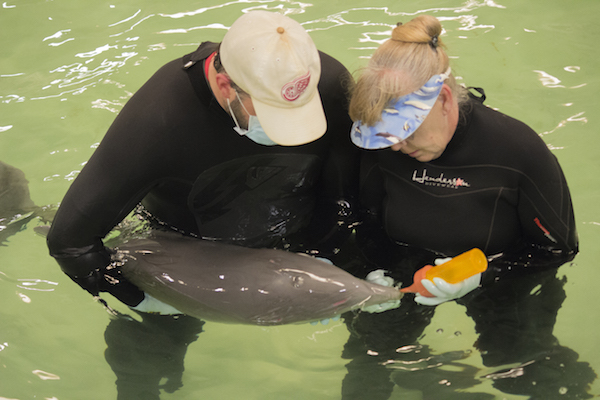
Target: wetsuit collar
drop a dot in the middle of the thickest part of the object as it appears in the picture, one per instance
(207, 64)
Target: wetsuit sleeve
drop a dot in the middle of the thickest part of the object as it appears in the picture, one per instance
(546, 210)
(129, 161)
(549, 236)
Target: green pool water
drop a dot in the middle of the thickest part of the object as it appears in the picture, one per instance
(66, 69)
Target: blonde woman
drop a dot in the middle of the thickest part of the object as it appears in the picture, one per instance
(443, 172)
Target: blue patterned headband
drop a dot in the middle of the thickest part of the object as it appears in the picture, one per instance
(401, 119)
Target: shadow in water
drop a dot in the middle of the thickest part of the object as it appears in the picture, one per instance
(514, 320)
(147, 356)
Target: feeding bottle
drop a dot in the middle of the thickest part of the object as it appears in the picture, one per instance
(456, 270)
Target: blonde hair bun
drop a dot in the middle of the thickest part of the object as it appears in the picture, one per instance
(422, 29)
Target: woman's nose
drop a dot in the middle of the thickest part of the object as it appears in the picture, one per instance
(398, 146)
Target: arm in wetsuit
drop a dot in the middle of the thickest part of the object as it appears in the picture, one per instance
(547, 219)
(129, 162)
(545, 211)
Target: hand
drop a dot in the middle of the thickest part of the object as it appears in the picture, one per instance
(155, 306)
(378, 277)
(326, 260)
(444, 291)
(102, 279)
(440, 261)
(326, 320)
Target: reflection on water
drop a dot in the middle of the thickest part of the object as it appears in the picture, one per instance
(118, 44)
(68, 68)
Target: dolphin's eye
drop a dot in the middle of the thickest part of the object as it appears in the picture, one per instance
(298, 281)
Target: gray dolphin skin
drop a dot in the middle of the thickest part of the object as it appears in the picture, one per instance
(16, 206)
(14, 191)
(232, 284)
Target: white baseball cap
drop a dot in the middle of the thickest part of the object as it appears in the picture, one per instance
(273, 59)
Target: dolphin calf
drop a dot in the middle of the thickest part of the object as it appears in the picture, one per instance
(227, 283)
(16, 206)
(14, 191)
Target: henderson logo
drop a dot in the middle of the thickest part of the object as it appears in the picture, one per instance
(441, 181)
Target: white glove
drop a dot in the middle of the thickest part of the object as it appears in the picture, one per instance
(326, 320)
(152, 305)
(444, 291)
(440, 261)
(378, 277)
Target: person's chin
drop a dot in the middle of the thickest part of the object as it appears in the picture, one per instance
(420, 156)
(423, 157)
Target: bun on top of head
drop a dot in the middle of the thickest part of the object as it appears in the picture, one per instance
(399, 66)
(423, 29)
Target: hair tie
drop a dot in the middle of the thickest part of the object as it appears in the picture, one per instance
(434, 42)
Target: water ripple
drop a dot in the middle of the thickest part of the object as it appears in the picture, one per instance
(344, 17)
(40, 285)
(133, 26)
(43, 375)
(126, 19)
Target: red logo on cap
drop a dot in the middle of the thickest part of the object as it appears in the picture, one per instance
(292, 90)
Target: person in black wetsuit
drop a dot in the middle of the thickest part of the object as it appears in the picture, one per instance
(442, 174)
(189, 147)
(174, 149)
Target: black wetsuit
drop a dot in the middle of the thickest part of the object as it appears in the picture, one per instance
(497, 187)
(173, 149)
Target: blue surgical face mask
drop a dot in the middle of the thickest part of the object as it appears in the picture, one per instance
(255, 131)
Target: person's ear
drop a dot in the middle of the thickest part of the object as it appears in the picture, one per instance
(224, 86)
(446, 97)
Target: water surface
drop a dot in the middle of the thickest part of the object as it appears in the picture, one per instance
(67, 68)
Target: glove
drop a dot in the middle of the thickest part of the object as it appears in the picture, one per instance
(155, 306)
(326, 320)
(105, 278)
(444, 291)
(378, 277)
